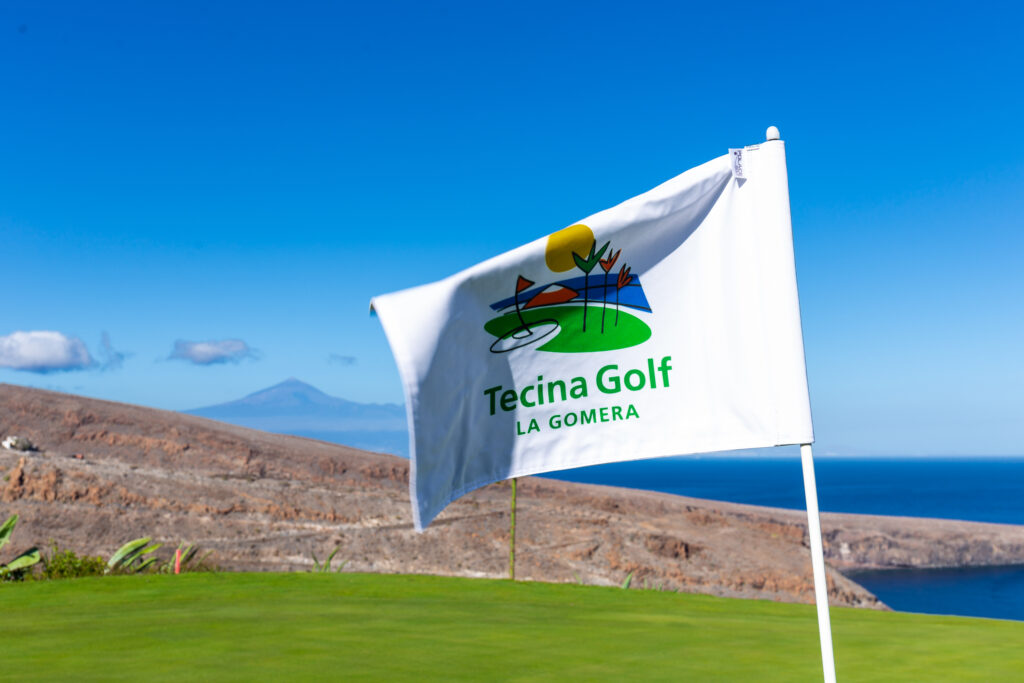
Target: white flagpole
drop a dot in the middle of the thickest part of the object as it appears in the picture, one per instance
(828, 664)
(818, 564)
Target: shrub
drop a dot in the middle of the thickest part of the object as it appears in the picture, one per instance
(65, 564)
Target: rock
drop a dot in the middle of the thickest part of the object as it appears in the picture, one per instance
(18, 443)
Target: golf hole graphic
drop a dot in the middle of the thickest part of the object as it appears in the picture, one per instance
(524, 335)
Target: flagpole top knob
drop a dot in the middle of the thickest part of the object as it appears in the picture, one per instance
(772, 133)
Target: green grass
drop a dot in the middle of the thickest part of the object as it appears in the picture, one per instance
(371, 627)
(570, 337)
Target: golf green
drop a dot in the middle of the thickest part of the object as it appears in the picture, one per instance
(230, 626)
(606, 329)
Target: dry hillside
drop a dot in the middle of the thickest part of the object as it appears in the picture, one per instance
(107, 472)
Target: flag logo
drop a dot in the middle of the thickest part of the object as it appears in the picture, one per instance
(597, 311)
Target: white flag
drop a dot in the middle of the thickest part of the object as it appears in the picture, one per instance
(666, 325)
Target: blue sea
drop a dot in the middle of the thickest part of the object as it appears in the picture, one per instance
(980, 489)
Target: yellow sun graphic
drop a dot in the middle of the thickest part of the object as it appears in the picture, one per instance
(558, 253)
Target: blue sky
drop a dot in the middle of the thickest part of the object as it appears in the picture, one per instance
(250, 175)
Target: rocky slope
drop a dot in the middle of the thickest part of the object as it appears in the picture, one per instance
(109, 472)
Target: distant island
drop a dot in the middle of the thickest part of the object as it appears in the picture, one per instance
(295, 407)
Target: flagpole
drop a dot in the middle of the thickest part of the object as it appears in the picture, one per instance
(818, 564)
(512, 535)
(828, 664)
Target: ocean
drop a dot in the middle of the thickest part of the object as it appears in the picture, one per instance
(980, 489)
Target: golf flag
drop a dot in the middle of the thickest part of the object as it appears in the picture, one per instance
(666, 325)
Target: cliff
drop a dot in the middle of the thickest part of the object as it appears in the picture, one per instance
(107, 472)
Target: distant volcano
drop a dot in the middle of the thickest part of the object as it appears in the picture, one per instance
(295, 407)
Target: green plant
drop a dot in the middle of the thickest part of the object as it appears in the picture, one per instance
(131, 557)
(16, 569)
(188, 561)
(65, 564)
(586, 264)
(326, 566)
(652, 586)
(629, 580)
(606, 265)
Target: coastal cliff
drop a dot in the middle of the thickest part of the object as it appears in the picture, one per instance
(108, 472)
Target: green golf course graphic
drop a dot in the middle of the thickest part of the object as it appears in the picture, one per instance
(580, 314)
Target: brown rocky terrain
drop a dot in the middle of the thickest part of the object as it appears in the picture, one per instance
(107, 472)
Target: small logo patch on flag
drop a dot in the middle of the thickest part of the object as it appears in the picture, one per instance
(736, 156)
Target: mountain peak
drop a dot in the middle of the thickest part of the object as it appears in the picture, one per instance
(295, 407)
(291, 384)
(291, 393)
(292, 397)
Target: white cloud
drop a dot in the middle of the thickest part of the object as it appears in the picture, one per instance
(212, 352)
(43, 351)
(340, 359)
